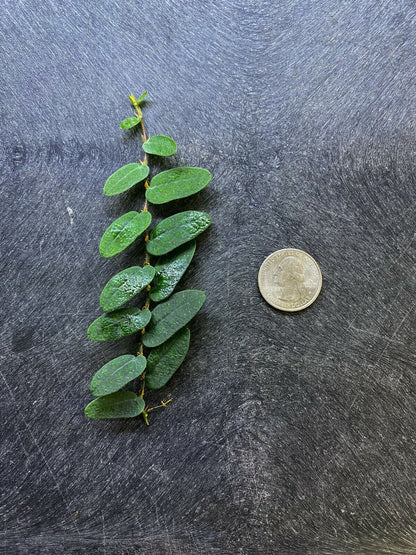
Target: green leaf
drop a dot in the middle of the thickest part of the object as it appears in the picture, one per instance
(172, 315)
(124, 178)
(119, 323)
(122, 404)
(177, 230)
(123, 231)
(142, 97)
(163, 361)
(160, 145)
(116, 373)
(128, 123)
(125, 285)
(169, 270)
(177, 183)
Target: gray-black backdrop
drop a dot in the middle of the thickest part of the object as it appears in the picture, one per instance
(288, 433)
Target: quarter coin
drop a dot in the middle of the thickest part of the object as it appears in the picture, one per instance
(290, 279)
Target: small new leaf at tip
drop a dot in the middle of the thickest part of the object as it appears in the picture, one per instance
(142, 97)
(128, 123)
(161, 145)
(121, 404)
(115, 374)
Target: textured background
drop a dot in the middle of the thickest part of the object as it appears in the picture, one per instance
(289, 433)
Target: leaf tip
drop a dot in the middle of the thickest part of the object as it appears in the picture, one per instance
(90, 333)
(104, 254)
(87, 411)
(106, 307)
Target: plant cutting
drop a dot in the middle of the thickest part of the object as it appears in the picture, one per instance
(162, 321)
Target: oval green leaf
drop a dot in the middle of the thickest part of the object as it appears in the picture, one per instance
(125, 285)
(124, 178)
(122, 404)
(128, 123)
(118, 324)
(142, 97)
(169, 270)
(115, 374)
(160, 145)
(177, 183)
(177, 230)
(163, 361)
(172, 315)
(123, 231)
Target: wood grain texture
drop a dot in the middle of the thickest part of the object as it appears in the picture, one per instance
(289, 433)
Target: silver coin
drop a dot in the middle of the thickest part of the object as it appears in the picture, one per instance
(290, 279)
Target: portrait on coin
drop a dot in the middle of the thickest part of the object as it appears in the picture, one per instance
(289, 279)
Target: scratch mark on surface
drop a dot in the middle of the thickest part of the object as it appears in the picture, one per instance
(104, 538)
(376, 335)
(253, 472)
(19, 435)
(389, 341)
(5, 525)
(160, 521)
(49, 469)
(228, 450)
(76, 245)
(402, 252)
(66, 351)
(71, 214)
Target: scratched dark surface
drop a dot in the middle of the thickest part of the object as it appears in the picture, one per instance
(288, 434)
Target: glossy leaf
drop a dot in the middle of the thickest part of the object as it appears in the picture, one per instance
(117, 373)
(177, 183)
(177, 230)
(124, 178)
(171, 315)
(163, 361)
(122, 404)
(125, 285)
(128, 123)
(161, 145)
(169, 270)
(123, 231)
(118, 323)
(142, 97)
